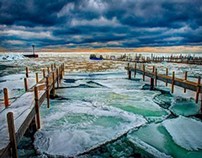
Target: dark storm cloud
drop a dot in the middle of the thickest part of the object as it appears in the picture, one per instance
(100, 23)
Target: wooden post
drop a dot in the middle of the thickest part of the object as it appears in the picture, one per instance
(37, 115)
(12, 136)
(37, 78)
(48, 70)
(201, 103)
(129, 72)
(198, 89)
(47, 92)
(6, 99)
(166, 75)
(143, 75)
(27, 72)
(53, 90)
(156, 77)
(60, 75)
(185, 78)
(44, 73)
(57, 74)
(151, 83)
(51, 67)
(54, 65)
(153, 69)
(173, 82)
(135, 69)
(26, 84)
(63, 70)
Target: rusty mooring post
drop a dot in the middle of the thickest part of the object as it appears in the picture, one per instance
(173, 82)
(185, 78)
(27, 72)
(12, 136)
(26, 84)
(6, 99)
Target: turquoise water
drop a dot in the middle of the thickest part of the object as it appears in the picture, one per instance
(96, 114)
(107, 115)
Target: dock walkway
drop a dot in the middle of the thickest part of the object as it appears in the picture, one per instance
(16, 117)
(174, 81)
(170, 59)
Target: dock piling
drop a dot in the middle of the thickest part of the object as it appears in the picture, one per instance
(173, 82)
(47, 92)
(12, 136)
(129, 72)
(57, 74)
(27, 72)
(37, 78)
(6, 99)
(135, 69)
(156, 76)
(26, 84)
(166, 75)
(53, 89)
(37, 115)
(44, 73)
(198, 89)
(143, 75)
(185, 78)
(48, 70)
(151, 83)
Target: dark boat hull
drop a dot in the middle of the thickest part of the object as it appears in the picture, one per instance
(31, 55)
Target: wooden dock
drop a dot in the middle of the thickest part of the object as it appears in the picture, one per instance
(171, 59)
(18, 116)
(174, 81)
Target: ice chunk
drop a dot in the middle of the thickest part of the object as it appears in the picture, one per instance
(186, 132)
(72, 127)
(184, 106)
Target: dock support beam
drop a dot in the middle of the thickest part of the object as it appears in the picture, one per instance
(27, 72)
(53, 89)
(135, 69)
(6, 99)
(173, 82)
(58, 78)
(198, 89)
(143, 75)
(48, 70)
(44, 73)
(12, 136)
(47, 92)
(129, 72)
(36, 95)
(26, 84)
(37, 78)
(185, 78)
(156, 77)
(166, 75)
(151, 83)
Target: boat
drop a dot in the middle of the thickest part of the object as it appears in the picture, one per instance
(94, 57)
(31, 55)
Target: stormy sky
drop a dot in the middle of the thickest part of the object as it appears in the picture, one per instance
(100, 23)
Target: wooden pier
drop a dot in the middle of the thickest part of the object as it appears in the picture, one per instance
(18, 116)
(155, 59)
(174, 81)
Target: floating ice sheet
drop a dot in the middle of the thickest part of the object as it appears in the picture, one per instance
(155, 140)
(73, 127)
(186, 132)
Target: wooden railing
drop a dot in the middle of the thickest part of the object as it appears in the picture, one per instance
(11, 134)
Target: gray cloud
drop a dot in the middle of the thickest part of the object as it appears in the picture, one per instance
(100, 23)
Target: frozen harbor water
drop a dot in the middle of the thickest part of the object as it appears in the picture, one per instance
(103, 114)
